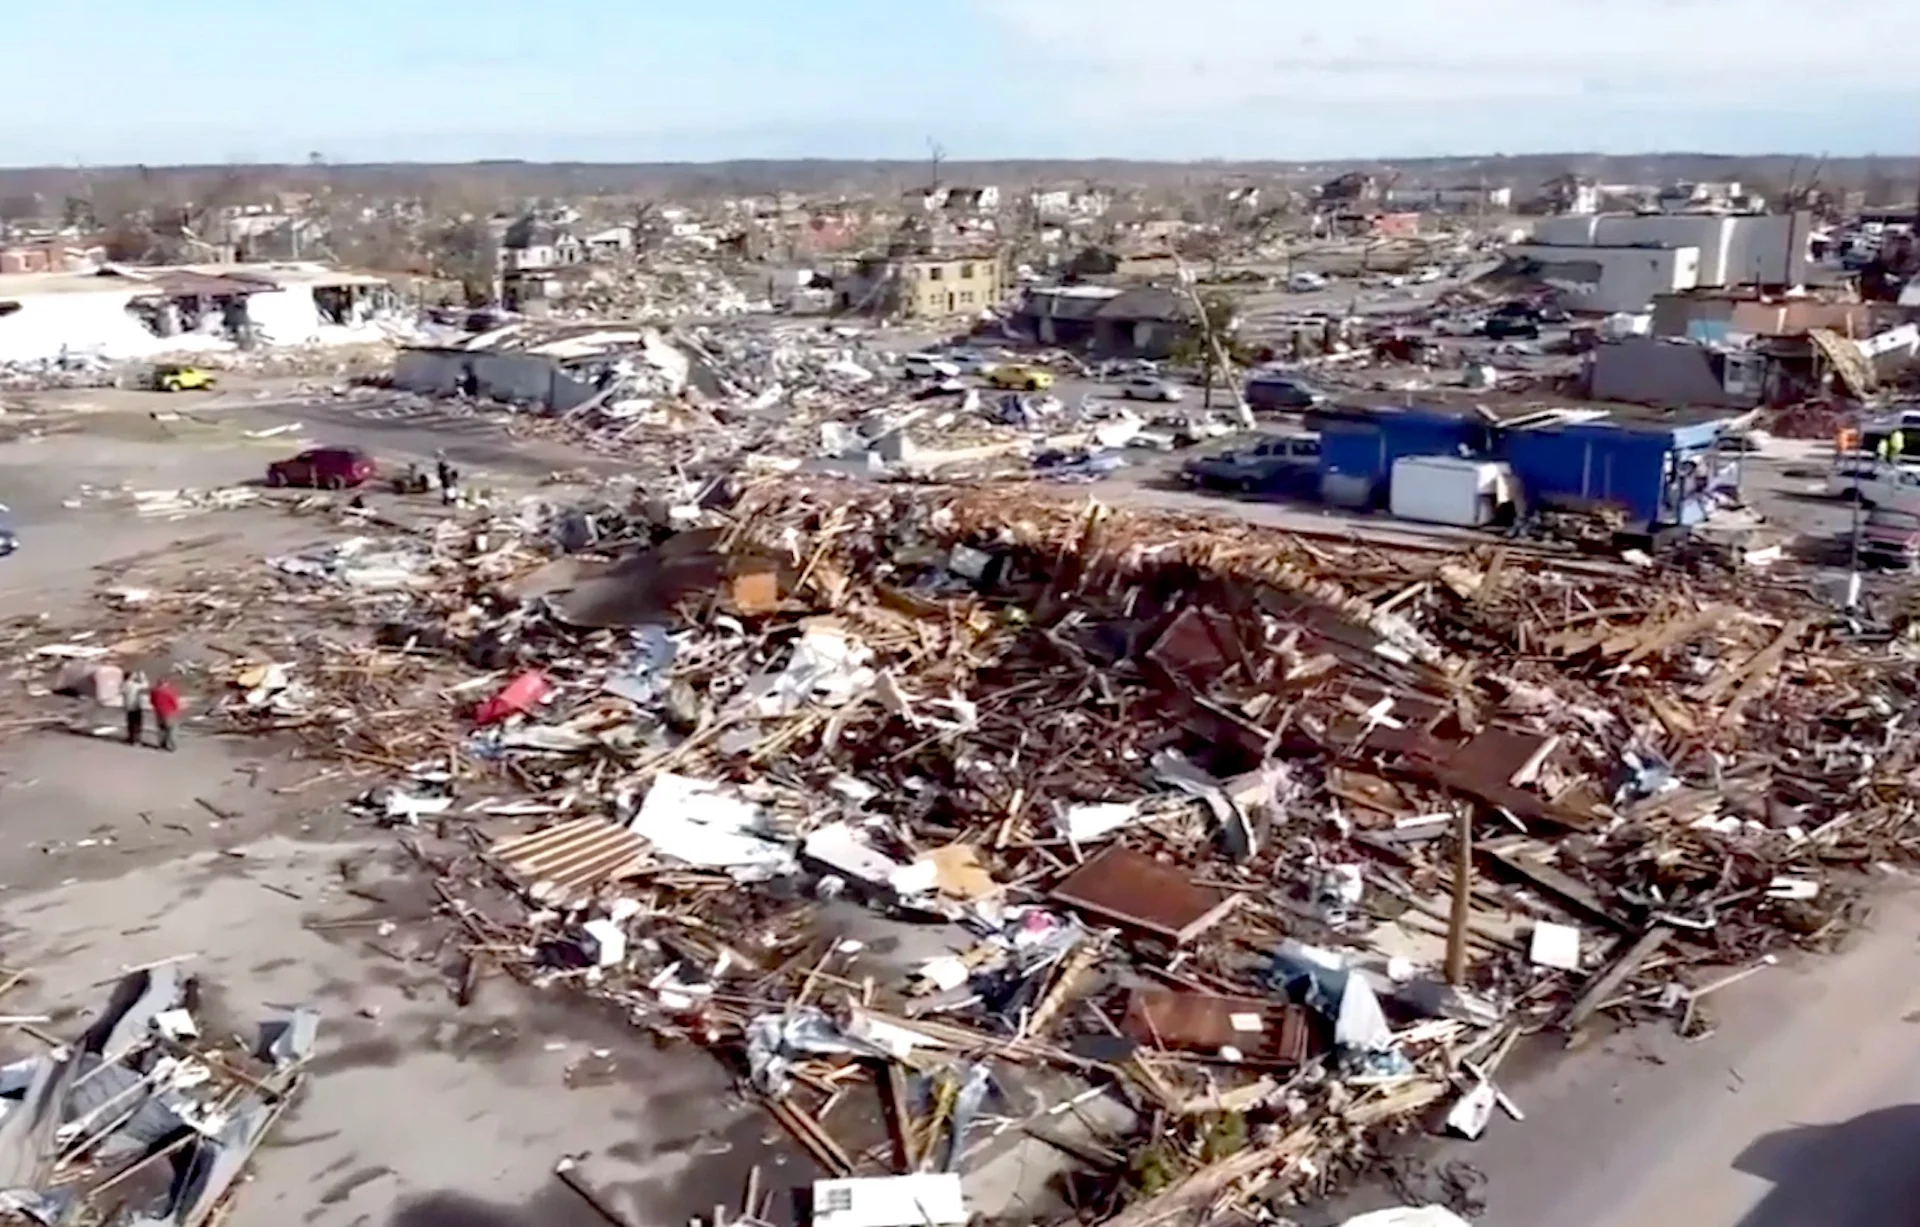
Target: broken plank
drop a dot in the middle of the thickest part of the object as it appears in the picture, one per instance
(1525, 858)
(1606, 982)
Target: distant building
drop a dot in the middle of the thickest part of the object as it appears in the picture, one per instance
(1773, 249)
(1394, 225)
(1051, 204)
(1354, 187)
(1065, 204)
(823, 234)
(1471, 199)
(921, 286)
(531, 243)
(50, 256)
(613, 241)
(242, 222)
(1571, 194)
(972, 199)
(925, 199)
(1705, 197)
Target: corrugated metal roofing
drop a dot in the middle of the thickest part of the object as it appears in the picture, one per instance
(568, 864)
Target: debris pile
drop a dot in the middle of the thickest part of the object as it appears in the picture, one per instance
(140, 1119)
(1224, 847)
(1821, 420)
(659, 290)
(165, 504)
(73, 370)
(777, 399)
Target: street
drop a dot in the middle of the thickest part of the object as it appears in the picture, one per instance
(1803, 1110)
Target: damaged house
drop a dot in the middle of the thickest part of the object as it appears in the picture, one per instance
(921, 286)
(531, 243)
(1108, 322)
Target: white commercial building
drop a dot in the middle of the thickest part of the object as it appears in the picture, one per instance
(130, 313)
(1611, 279)
(1768, 249)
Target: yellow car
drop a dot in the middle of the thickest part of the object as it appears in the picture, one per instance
(1020, 378)
(181, 378)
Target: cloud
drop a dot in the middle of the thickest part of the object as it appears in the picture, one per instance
(1109, 60)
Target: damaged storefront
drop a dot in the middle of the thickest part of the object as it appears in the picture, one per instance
(129, 314)
(190, 304)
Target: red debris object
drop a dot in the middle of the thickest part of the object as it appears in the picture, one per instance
(522, 694)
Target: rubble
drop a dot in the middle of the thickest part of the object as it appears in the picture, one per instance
(1161, 807)
(138, 1119)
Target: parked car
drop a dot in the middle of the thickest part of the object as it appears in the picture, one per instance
(326, 468)
(1146, 387)
(1018, 378)
(172, 377)
(9, 541)
(1281, 393)
(1076, 466)
(1306, 283)
(967, 361)
(1119, 370)
(1891, 537)
(1510, 328)
(929, 366)
(1278, 464)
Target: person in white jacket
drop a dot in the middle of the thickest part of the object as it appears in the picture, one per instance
(133, 697)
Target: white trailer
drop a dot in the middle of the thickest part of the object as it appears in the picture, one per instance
(1449, 490)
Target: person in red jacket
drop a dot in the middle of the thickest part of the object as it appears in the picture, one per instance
(165, 701)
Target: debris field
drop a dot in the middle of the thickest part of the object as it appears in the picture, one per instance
(1272, 845)
(140, 1119)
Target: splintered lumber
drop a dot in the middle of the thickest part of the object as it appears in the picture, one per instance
(1606, 982)
(1202, 1187)
(811, 1135)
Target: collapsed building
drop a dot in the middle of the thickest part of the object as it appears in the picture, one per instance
(124, 313)
(1745, 350)
(917, 808)
(548, 368)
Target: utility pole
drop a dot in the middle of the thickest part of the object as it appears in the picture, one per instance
(1462, 894)
(1853, 545)
(1217, 350)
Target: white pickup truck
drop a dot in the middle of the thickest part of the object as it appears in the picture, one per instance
(1877, 483)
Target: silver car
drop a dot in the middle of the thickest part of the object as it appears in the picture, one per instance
(1147, 387)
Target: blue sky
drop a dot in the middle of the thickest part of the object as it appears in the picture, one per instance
(116, 81)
